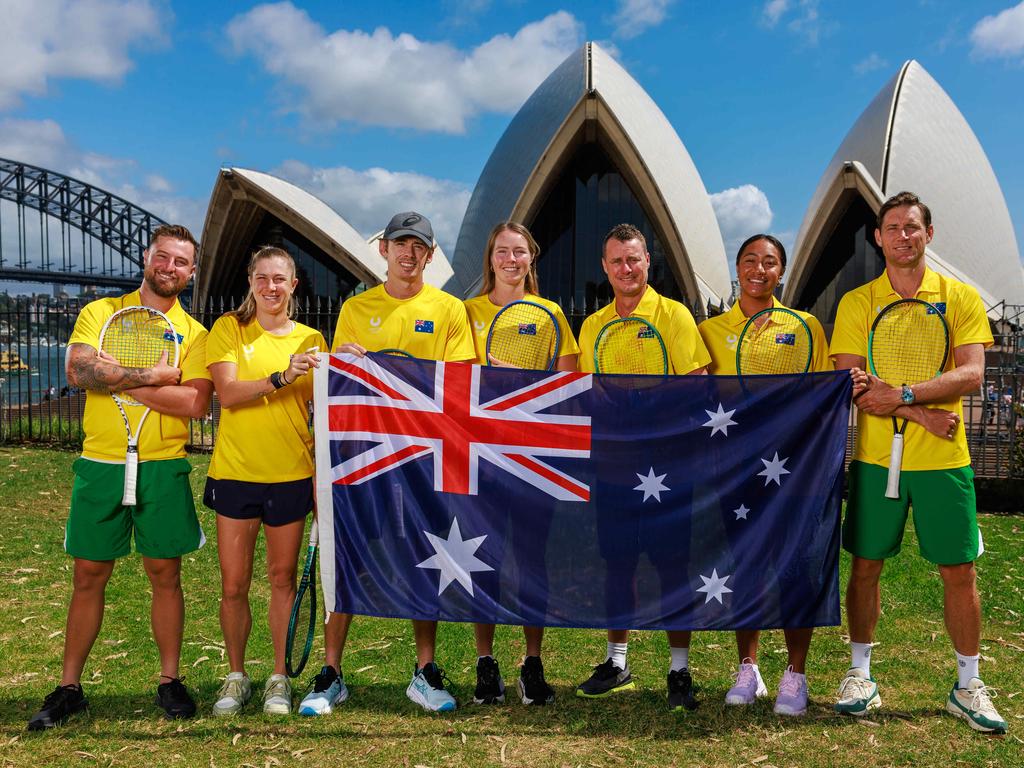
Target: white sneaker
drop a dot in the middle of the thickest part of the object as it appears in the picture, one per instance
(974, 704)
(858, 694)
(277, 696)
(233, 695)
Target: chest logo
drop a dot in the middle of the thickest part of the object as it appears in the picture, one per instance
(375, 324)
(479, 325)
(424, 326)
(248, 350)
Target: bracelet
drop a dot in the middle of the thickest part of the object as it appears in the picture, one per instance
(283, 379)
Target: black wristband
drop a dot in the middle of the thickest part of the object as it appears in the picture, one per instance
(275, 379)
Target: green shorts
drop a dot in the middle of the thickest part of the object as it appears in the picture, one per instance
(945, 515)
(164, 521)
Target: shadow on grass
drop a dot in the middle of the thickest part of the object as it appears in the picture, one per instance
(383, 712)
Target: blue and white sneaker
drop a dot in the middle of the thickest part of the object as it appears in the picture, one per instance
(329, 690)
(427, 689)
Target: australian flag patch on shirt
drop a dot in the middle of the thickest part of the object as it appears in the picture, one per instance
(424, 326)
(527, 329)
(939, 305)
(785, 338)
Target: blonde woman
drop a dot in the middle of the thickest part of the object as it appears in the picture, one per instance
(262, 468)
(510, 274)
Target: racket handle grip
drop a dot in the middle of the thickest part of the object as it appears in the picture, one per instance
(892, 488)
(131, 474)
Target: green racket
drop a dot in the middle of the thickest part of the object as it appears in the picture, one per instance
(774, 340)
(630, 345)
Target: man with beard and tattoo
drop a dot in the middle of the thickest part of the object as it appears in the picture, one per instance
(163, 522)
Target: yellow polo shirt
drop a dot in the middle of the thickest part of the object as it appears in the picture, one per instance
(968, 324)
(265, 440)
(432, 325)
(722, 332)
(482, 312)
(163, 436)
(686, 350)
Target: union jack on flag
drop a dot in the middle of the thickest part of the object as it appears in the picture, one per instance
(444, 416)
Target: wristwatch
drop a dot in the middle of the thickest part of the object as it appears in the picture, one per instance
(908, 395)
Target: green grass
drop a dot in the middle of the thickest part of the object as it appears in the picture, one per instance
(379, 726)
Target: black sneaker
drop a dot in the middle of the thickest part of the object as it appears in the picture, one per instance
(60, 704)
(533, 688)
(680, 690)
(173, 698)
(606, 680)
(490, 688)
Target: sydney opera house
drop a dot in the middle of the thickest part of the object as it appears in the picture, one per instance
(590, 149)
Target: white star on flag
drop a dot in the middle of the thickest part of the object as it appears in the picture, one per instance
(651, 485)
(774, 469)
(455, 558)
(714, 587)
(720, 420)
(741, 512)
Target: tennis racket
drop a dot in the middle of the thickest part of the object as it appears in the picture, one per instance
(303, 609)
(526, 335)
(394, 352)
(630, 345)
(908, 344)
(774, 340)
(136, 337)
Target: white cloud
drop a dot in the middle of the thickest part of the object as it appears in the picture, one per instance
(83, 39)
(1000, 36)
(367, 199)
(741, 212)
(773, 11)
(633, 17)
(43, 143)
(870, 63)
(804, 20)
(397, 80)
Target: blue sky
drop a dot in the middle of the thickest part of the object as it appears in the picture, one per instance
(382, 106)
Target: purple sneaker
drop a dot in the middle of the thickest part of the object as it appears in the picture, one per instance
(792, 698)
(748, 686)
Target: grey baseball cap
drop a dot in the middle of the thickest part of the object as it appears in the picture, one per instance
(412, 224)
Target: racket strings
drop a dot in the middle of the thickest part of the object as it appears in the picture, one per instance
(908, 344)
(524, 336)
(630, 347)
(781, 344)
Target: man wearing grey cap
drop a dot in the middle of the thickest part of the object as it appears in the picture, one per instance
(404, 313)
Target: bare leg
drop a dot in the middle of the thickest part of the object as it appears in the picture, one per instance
(167, 614)
(746, 644)
(678, 638)
(484, 635)
(335, 635)
(85, 615)
(283, 543)
(798, 642)
(236, 540)
(864, 599)
(534, 639)
(962, 607)
(425, 633)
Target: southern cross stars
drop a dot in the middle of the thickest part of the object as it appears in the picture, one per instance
(455, 558)
(714, 587)
(651, 485)
(774, 470)
(720, 420)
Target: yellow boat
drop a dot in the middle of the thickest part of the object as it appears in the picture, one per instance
(9, 361)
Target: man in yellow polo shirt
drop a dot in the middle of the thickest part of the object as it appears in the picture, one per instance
(407, 314)
(936, 479)
(626, 262)
(163, 523)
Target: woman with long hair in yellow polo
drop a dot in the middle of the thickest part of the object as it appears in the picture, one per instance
(510, 274)
(261, 473)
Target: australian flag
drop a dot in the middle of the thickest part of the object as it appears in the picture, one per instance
(455, 492)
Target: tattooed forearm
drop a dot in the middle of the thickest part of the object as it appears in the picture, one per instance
(86, 369)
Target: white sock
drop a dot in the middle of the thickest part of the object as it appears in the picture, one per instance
(680, 658)
(861, 656)
(966, 668)
(617, 653)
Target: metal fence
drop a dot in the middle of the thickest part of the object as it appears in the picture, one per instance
(37, 405)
